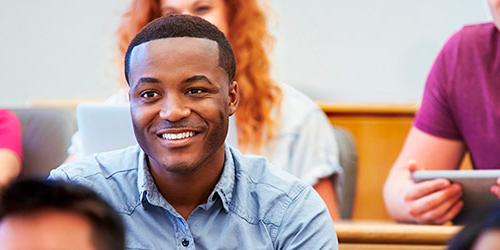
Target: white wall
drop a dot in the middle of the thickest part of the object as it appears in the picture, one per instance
(57, 49)
(365, 50)
(335, 50)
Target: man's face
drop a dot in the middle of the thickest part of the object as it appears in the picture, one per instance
(46, 230)
(180, 102)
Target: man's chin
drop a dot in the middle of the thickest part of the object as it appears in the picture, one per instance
(178, 166)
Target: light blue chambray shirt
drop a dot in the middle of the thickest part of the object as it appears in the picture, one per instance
(253, 206)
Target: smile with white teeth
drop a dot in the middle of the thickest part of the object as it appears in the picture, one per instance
(177, 136)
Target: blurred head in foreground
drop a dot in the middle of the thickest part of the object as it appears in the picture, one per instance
(56, 215)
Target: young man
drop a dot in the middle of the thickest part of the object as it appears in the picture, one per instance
(182, 187)
(57, 215)
(459, 113)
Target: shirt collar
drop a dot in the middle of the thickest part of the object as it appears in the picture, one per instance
(145, 182)
(223, 188)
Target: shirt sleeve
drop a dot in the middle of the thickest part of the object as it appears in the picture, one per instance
(307, 224)
(10, 133)
(316, 154)
(435, 115)
(59, 175)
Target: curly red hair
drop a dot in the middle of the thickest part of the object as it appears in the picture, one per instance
(260, 96)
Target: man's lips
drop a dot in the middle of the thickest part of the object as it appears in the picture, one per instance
(177, 136)
(172, 134)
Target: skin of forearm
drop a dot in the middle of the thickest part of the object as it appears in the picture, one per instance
(326, 190)
(394, 196)
(10, 166)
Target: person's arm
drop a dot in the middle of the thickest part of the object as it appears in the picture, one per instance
(10, 166)
(434, 202)
(317, 148)
(10, 147)
(326, 190)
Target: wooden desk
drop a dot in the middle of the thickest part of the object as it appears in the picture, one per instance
(384, 235)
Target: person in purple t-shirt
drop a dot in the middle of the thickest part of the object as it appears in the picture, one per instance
(460, 112)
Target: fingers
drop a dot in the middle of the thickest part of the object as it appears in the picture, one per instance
(412, 166)
(456, 208)
(438, 206)
(495, 189)
(435, 201)
(425, 188)
(443, 212)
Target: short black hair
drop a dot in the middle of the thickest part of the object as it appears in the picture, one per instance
(486, 219)
(31, 196)
(184, 26)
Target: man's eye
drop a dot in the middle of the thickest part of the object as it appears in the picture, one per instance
(149, 94)
(196, 91)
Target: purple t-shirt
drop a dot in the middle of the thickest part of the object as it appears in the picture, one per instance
(462, 94)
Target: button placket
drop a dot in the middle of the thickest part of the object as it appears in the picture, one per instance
(183, 234)
(185, 242)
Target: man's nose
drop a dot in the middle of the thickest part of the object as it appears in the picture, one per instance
(174, 109)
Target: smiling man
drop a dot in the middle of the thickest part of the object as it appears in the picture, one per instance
(182, 187)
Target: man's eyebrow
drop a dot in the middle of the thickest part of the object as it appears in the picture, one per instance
(197, 78)
(144, 80)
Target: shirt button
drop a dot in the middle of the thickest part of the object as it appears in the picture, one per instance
(185, 242)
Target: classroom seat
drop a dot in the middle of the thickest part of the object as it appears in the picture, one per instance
(46, 137)
(348, 159)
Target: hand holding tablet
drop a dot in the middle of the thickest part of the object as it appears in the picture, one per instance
(435, 201)
(476, 185)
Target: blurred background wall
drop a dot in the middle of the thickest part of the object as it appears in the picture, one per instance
(332, 50)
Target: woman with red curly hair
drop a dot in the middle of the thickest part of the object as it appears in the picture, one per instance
(272, 119)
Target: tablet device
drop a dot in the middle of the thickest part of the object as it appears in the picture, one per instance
(476, 186)
(106, 127)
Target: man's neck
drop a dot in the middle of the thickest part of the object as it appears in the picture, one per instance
(188, 190)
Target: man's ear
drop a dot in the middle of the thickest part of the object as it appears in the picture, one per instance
(234, 97)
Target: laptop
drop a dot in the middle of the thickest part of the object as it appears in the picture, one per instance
(105, 127)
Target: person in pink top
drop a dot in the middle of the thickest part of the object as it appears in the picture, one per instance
(10, 147)
(460, 112)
